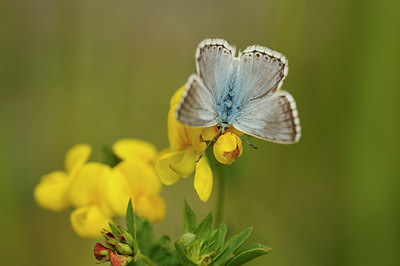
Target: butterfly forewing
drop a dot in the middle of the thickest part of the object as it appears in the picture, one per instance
(214, 59)
(272, 118)
(261, 73)
(196, 105)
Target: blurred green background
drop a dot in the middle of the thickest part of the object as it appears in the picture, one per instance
(78, 71)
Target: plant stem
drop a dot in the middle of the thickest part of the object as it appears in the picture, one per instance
(146, 259)
(221, 193)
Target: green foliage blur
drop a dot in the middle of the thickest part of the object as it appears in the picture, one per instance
(94, 71)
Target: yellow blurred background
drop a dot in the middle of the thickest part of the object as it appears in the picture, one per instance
(81, 71)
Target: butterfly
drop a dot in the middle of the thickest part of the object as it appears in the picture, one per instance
(242, 92)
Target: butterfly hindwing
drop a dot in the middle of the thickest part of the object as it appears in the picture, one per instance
(196, 105)
(272, 118)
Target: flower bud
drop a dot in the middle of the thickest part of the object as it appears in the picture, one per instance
(119, 260)
(188, 238)
(123, 249)
(111, 239)
(101, 252)
(126, 237)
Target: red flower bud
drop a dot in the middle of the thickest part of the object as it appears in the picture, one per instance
(119, 260)
(101, 252)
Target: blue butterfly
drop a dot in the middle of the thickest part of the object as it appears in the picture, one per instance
(240, 91)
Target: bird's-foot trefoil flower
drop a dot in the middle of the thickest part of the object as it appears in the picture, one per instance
(135, 177)
(99, 192)
(187, 145)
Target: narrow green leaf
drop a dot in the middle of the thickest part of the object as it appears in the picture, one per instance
(251, 252)
(184, 260)
(221, 235)
(208, 245)
(204, 230)
(216, 241)
(130, 218)
(130, 224)
(189, 219)
(232, 245)
(115, 230)
(109, 158)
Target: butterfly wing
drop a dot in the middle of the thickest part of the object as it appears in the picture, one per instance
(214, 58)
(261, 73)
(272, 118)
(265, 113)
(196, 105)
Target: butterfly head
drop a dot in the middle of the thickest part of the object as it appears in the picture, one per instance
(223, 126)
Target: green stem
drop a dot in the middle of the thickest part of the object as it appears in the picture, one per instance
(146, 259)
(221, 193)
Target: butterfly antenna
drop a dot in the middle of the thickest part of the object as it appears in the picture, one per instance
(201, 155)
(248, 143)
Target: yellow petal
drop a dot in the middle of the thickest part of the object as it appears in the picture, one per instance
(150, 206)
(88, 221)
(178, 135)
(118, 192)
(77, 156)
(209, 133)
(187, 164)
(203, 179)
(51, 192)
(85, 185)
(141, 177)
(177, 96)
(164, 170)
(195, 135)
(134, 149)
(227, 148)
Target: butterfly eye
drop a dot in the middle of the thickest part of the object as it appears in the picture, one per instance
(218, 126)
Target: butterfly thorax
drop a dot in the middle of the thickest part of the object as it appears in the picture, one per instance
(227, 106)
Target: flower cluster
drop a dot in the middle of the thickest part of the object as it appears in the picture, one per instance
(99, 192)
(186, 146)
(199, 245)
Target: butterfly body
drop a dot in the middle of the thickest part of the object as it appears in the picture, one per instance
(227, 105)
(240, 91)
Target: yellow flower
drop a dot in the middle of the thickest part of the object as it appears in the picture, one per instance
(100, 192)
(186, 146)
(135, 178)
(227, 148)
(87, 193)
(88, 221)
(51, 192)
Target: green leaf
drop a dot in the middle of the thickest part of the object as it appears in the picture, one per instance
(115, 230)
(184, 260)
(251, 252)
(216, 241)
(130, 218)
(162, 253)
(204, 230)
(231, 246)
(221, 235)
(109, 158)
(130, 224)
(189, 219)
(144, 234)
(160, 248)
